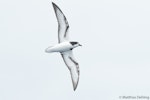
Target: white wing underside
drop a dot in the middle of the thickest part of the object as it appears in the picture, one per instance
(63, 25)
(73, 67)
(67, 56)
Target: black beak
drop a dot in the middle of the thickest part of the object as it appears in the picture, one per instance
(80, 45)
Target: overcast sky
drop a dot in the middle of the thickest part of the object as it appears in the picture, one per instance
(114, 59)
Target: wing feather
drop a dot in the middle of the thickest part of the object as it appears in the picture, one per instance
(63, 25)
(73, 67)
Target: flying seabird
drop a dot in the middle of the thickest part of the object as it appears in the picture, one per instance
(65, 47)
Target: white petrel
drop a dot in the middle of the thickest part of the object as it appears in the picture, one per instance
(65, 46)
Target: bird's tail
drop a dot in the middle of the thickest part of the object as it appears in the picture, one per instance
(49, 49)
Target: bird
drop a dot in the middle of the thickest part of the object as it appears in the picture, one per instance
(65, 46)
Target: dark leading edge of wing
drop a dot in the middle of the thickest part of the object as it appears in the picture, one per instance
(73, 67)
(63, 25)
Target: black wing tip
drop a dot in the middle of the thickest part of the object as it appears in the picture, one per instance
(56, 7)
(75, 87)
(54, 4)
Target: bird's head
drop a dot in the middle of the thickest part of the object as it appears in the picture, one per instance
(75, 44)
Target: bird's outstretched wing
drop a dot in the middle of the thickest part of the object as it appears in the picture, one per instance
(73, 67)
(63, 25)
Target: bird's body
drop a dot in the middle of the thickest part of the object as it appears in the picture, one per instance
(61, 47)
(65, 46)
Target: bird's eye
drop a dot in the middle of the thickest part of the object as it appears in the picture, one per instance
(73, 43)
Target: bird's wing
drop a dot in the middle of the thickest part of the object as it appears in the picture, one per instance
(63, 25)
(73, 67)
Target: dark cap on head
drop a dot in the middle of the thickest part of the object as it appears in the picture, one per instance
(73, 43)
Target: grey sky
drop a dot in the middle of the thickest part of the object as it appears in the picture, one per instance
(114, 59)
